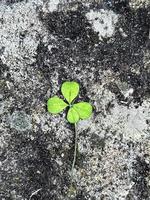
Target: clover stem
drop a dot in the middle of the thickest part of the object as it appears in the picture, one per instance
(75, 151)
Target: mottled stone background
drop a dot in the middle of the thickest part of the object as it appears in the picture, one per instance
(105, 46)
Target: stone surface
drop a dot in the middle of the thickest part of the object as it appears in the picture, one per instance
(105, 46)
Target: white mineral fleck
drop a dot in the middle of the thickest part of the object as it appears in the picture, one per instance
(103, 22)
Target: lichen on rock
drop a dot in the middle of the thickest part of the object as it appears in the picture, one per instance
(20, 121)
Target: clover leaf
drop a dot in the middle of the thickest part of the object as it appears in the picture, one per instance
(73, 116)
(77, 111)
(56, 105)
(84, 109)
(70, 90)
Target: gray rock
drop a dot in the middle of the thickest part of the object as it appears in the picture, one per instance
(104, 45)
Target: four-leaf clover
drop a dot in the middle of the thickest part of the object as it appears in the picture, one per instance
(77, 111)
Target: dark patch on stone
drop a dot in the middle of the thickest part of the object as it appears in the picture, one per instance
(3, 68)
(117, 5)
(47, 168)
(79, 51)
(97, 141)
(4, 76)
(9, 2)
(82, 196)
(128, 52)
(109, 106)
(2, 48)
(72, 25)
(36, 168)
(140, 189)
(61, 57)
(115, 89)
(81, 159)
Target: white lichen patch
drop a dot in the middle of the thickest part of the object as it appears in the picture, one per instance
(21, 121)
(130, 122)
(20, 28)
(103, 170)
(109, 159)
(20, 33)
(53, 5)
(103, 22)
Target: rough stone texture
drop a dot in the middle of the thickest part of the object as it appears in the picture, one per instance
(105, 46)
(139, 3)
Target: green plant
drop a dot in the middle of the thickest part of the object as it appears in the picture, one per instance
(76, 112)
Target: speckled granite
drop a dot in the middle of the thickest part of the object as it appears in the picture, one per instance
(105, 46)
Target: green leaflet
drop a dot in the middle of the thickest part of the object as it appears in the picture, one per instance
(70, 90)
(56, 105)
(81, 110)
(84, 109)
(72, 116)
